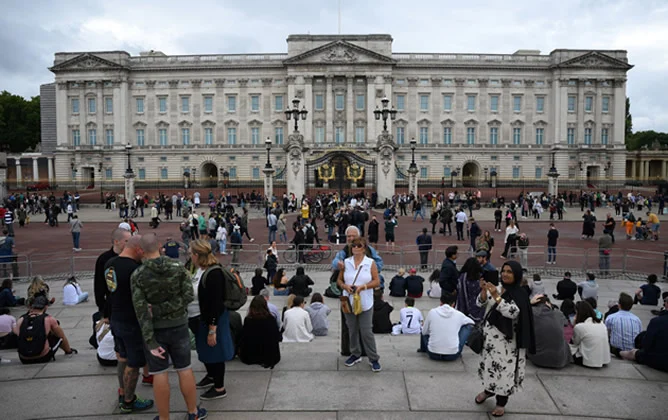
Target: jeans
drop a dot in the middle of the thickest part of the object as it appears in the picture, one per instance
(362, 325)
(222, 244)
(524, 260)
(75, 239)
(551, 254)
(416, 215)
(272, 234)
(460, 231)
(283, 237)
(464, 333)
(603, 261)
(424, 258)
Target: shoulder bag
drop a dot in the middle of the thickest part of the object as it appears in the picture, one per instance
(345, 302)
(476, 340)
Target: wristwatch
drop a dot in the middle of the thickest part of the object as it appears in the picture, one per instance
(212, 332)
(497, 299)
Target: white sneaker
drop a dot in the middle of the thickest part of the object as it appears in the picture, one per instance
(252, 239)
(5, 361)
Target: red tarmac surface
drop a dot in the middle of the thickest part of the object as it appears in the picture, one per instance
(50, 249)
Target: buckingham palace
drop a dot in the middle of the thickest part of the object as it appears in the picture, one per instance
(367, 118)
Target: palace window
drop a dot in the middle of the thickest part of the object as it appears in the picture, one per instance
(605, 104)
(140, 105)
(424, 135)
(162, 104)
(359, 135)
(587, 139)
(255, 103)
(231, 103)
(339, 135)
(470, 135)
(255, 135)
(447, 102)
(493, 135)
(517, 135)
(604, 136)
(278, 103)
(208, 104)
(540, 104)
(589, 103)
(185, 136)
(75, 105)
(162, 136)
(185, 104)
(359, 102)
(231, 135)
(516, 172)
(141, 173)
(424, 102)
(571, 103)
(539, 172)
(447, 135)
(517, 103)
(108, 105)
(92, 136)
(208, 135)
(92, 106)
(164, 173)
(540, 132)
(401, 102)
(401, 135)
(278, 131)
(494, 103)
(140, 137)
(320, 135)
(470, 102)
(109, 134)
(339, 102)
(319, 102)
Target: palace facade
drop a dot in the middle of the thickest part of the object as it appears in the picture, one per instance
(477, 119)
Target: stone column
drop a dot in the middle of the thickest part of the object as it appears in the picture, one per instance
(633, 169)
(308, 103)
(19, 177)
(3, 175)
(370, 107)
(350, 110)
(619, 109)
(295, 165)
(50, 168)
(387, 173)
(329, 112)
(663, 169)
(35, 169)
(268, 183)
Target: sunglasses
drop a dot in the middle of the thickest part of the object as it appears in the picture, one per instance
(358, 246)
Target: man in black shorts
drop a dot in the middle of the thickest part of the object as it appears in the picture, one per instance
(128, 341)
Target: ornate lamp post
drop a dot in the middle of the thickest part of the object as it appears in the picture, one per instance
(385, 112)
(608, 170)
(73, 165)
(454, 175)
(553, 182)
(295, 113)
(268, 174)
(413, 170)
(129, 176)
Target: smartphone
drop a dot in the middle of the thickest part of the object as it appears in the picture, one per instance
(491, 277)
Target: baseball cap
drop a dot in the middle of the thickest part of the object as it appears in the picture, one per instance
(481, 254)
(412, 271)
(40, 302)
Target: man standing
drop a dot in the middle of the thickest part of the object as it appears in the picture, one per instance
(417, 208)
(161, 291)
(552, 236)
(449, 272)
(124, 326)
(460, 219)
(604, 251)
(389, 232)
(154, 215)
(424, 246)
(272, 221)
(474, 232)
(609, 226)
(119, 237)
(653, 221)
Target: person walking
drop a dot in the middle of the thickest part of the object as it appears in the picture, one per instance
(75, 229)
(552, 237)
(272, 222)
(161, 291)
(360, 277)
(424, 247)
(460, 219)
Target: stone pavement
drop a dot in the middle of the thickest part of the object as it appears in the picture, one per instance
(312, 382)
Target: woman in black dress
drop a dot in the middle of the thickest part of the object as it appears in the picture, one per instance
(588, 225)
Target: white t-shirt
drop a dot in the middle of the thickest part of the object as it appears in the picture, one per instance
(105, 341)
(298, 327)
(411, 320)
(350, 271)
(193, 307)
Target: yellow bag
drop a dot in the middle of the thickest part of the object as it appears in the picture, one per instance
(357, 304)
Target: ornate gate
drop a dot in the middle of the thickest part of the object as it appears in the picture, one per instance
(340, 171)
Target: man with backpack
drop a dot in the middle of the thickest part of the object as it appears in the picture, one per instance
(39, 335)
(161, 291)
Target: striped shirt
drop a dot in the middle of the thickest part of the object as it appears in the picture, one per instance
(9, 216)
(623, 327)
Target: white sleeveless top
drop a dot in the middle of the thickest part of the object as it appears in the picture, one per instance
(363, 278)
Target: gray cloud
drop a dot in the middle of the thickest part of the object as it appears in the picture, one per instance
(31, 32)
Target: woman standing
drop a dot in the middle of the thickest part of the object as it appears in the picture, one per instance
(282, 229)
(360, 276)
(509, 334)
(209, 320)
(510, 239)
(75, 229)
(588, 225)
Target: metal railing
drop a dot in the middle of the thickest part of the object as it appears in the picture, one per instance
(622, 264)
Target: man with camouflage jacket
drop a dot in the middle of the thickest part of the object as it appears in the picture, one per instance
(161, 291)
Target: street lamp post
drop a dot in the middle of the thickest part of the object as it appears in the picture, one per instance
(295, 113)
(385, 113)
(268, 175)
(73, 165)
(413, 170)
(129, 176)
(553, 176)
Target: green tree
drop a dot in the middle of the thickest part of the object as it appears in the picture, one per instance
(19, 122)
(646, 138)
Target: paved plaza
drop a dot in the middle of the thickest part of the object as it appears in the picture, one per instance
(312, 382)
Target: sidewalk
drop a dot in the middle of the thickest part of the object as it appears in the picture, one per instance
(312, 382)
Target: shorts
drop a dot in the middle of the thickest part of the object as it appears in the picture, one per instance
(655, 227)
(176, 342)
(389, 237)
(129, 343)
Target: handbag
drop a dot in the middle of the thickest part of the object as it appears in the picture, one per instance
(345, 302)
(476, 340)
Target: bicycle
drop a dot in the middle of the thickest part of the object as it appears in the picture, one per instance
(311, 255)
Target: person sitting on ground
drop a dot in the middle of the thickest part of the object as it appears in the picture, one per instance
(410, 319)
(588, 288)
(300, 282)
(280, 282)
(7, 298)
(273, 309)
(381, 314)
(38, 287)
(445, 331)
(647, 294)
(260, 338)
(72, 293)
(552, 350)
(106, 355)
(318, 312)
(258, 282)
(398, 284)
(589, 345)
(651, 346)
(594, 304)
(297, 323)
(566, 288)
(434, 291)
(568, 310)
(623, 326)
(537, 286)
(414, 287)
(39, 334)
(8, 340)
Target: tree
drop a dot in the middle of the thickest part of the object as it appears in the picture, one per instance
(19, 122)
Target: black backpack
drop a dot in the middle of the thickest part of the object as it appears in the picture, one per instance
(32, 336)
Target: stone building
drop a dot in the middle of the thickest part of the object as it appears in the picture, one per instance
(477, 119)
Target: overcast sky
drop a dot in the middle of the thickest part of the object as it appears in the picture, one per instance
(31, 31)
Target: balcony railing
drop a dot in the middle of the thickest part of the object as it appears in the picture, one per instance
(492, 58)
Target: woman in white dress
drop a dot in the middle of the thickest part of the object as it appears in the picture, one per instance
(509, 334)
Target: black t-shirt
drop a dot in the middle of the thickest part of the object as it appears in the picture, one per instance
(650, 294)
(414, 285)
(552, 236)
(117, 274)
(381, 317)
